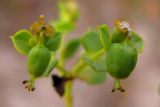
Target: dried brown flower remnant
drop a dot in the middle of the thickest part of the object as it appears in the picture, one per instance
(40, 26)
(123, 25)
(28, 85)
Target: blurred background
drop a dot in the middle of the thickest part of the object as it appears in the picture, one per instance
(141, 87)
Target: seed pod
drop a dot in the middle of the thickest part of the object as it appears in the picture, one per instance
(121, 60)
(38, 60)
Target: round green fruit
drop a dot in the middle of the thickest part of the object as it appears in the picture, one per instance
(38, 60)
(121, 60)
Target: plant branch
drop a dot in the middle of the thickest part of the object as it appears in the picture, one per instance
(68, 94)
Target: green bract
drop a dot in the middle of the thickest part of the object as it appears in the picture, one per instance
(38, 60)
(104, 36)
(98, 65)
(91, 42)
(121, 60)
(92, 77)
(70, 48)
(53, 43)
(23, 41)
(136, 41)
(68, 14)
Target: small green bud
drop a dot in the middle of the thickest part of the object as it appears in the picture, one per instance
(120, 31)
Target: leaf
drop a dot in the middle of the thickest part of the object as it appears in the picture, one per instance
(91, 42)
(96, 65)
(70, 48)
(136, 42)
(54, 41)
(104, 36)
(68, 11)
(92, 77)
(62, 26)
(50, 67)
(23, 41)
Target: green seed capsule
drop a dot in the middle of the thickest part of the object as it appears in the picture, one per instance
(38, 60)
(121, 60)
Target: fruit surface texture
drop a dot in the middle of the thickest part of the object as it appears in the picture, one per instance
(38, 60)
(121, 60)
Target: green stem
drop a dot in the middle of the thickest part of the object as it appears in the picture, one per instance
(63, 71)
(81, 64)
(41, 37)
(61, 60)
(68, 94)
(117, 84)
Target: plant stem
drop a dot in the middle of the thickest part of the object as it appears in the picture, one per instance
(117, 84)
(81, 64)
(63, 71)
(68, 94)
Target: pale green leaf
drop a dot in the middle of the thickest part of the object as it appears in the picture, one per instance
(54, 41)
(98, 65)
(92, 77)
(51, 66)
(136, 42)
(70, 48)
(23, 41)
(91, 42)
(63, 26)
(104, 36)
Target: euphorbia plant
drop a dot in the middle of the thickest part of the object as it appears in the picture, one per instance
(46, 50)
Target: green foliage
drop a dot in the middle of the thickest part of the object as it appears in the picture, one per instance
(70, 48)
(104, 36)
(91, 42)
(98, 65)
(62, 26)
(54, 41)
(68, 11)
(68, 15)
(92, 77)
(23, 41)
(136, 41)
(41, 47)
(52, 64)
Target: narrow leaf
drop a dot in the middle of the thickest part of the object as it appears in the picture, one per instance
(50, 67)
(98, 65)
(104, 36)
(92, 77)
